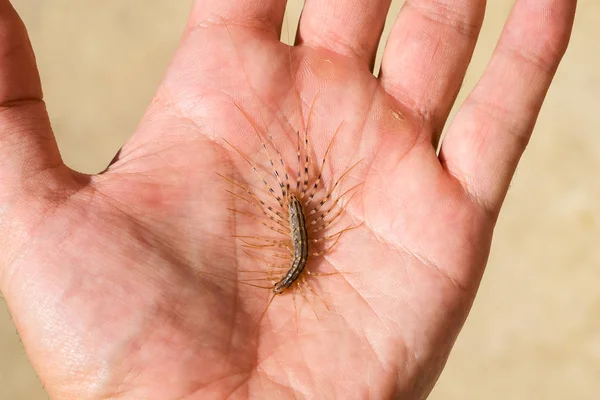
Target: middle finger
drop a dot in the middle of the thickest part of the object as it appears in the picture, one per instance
(427, 55)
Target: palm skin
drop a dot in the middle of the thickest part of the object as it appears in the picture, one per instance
(115, 280)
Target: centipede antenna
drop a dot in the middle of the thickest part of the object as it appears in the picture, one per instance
(267, 186)
(315, 186)
(306, 152)
(303, 294)
(258, 98)
(268, 279)
(264, 146)
(286, 190)
(298, 177)
(264, 312)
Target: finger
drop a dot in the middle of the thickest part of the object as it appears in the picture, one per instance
(348, 27)
(491, 130)
(258, 15)
(427, 54)
(27, 145)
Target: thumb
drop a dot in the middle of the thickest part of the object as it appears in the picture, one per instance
(27, 145)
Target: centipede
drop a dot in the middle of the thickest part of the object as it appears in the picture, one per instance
(293, 213)
(297, 214)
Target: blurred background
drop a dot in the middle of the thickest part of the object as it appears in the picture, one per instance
(534, 332)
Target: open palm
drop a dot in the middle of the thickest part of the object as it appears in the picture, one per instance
(127, 283)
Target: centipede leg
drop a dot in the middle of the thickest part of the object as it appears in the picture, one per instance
(262, 205)
(257, 219)
(310, 289)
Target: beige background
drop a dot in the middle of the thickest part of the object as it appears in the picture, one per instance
(534, 332)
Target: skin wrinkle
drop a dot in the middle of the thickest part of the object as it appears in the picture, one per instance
(256, 95)
(401, 250)
(443, 14)
(489, 213)
(264, 374)
(253, 24)
(306, 366)
(21, 102)
(268, 357)
(59, 203)
(180, 322)
(373, 312)
(491, 111)
(338, 43)
(226, 376)
(528, 56)
(422, 259)
(242, 384)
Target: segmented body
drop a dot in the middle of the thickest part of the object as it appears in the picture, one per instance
(299, 238)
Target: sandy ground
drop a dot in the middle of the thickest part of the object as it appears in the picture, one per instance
(534, 332)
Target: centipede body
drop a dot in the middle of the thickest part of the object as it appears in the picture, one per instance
(299, 238)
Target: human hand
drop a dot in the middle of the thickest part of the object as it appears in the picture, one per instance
(116, 281)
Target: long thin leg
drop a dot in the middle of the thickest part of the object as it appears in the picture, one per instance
(335, 235)
(325, 213)
(328, 249)
(262, 210)
(266, 246)
(310, 289)
(234, 280)
(330, 192)
(255, 218)
(256, 258)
